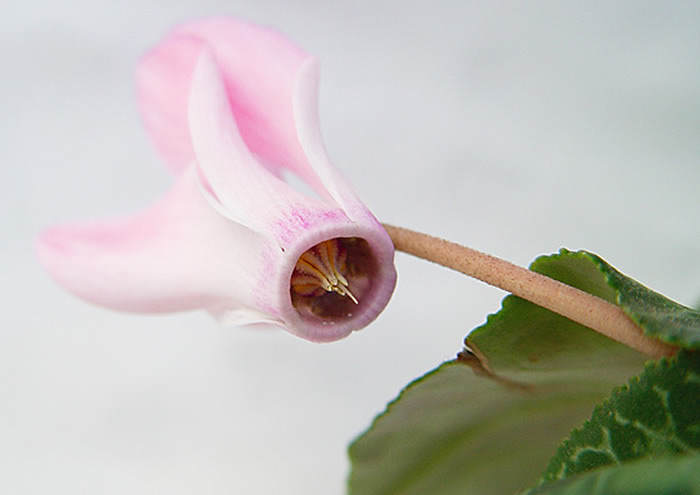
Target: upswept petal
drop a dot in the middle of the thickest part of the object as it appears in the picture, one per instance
(177, 255)
(306, 118)
(272, 88)
(248, 192)
(260, 69)
(163, 87)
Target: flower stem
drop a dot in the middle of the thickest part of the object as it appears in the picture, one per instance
(581, 307)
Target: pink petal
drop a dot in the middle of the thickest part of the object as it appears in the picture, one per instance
(177, 255)
(272, 89)
(260, 70)
(306, 117)
(163, 86)
(248, 192)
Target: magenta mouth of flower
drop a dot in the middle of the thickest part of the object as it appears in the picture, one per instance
(331, 278)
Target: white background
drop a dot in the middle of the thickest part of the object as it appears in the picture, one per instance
(516, 129)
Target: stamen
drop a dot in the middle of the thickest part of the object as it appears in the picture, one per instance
(328, 263)
(322, 267)
(305, 266)
(332, 256)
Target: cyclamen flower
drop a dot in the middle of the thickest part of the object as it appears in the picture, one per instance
(230, 105)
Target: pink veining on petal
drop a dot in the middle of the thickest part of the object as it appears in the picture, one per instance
(288, 228)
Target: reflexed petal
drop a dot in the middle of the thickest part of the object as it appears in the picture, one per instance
(163, 87)
(177, 255)
(272, 91)
(259, 67)
(306, 117)
(260, 70)
(249, 193)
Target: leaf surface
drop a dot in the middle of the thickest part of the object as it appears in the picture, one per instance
(489, 421)
(670, 476)
(657, 414)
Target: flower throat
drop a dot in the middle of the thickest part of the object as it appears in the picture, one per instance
(331, 279)
(322, 268)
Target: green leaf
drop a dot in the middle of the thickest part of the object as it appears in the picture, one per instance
(452, 432)
(525, 338)
(659, 316)
(656, 414)
(670, 476)
(489, 421)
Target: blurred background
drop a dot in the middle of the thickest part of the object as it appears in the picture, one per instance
(513, 128)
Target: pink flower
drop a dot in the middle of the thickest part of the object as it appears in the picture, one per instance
(231, 105)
